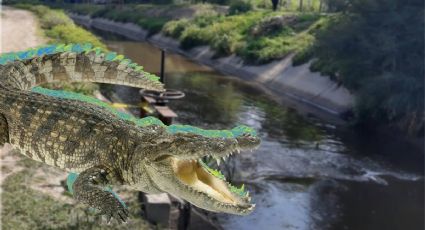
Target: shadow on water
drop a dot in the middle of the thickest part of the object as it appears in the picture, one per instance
(307, 174)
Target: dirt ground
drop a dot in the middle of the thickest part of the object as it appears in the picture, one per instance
(19, 30)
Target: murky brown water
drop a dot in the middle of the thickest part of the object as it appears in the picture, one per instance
(307, 174)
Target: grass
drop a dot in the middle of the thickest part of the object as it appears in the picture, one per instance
(59, 28)
(225, 34)
(25, 208)
(236, 34)
(137, 14)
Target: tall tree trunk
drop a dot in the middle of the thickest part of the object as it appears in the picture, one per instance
(301, 5)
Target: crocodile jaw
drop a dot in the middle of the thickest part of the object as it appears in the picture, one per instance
(195, 178)
(183, 174)
(189, 180)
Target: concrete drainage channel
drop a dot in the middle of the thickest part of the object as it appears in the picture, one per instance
(309, 90)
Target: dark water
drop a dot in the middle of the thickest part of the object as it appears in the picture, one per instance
(307, 174)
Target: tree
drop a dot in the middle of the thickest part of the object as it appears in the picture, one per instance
(376, 51)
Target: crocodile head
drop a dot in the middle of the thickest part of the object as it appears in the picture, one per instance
(174, 166)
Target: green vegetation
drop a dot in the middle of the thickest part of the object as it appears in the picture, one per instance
(376, 51)
(242, 31)
(257, 36)
(59, 28)
(26, 208)
(239, 6)
(135, 15)
(138, 14)
(372, 47)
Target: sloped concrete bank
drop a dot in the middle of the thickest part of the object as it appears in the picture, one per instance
(279, 78)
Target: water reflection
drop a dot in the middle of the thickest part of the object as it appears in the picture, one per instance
(206, 99)
(306, 174)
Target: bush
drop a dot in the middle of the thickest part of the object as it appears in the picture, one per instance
(302, 56)
(175, 28)
(192, 37)
(381, 63)
(206, 19)
(222, 44)
(239, 6)
(273, 25)
(153, 25)
(85, 9)
(53, 18)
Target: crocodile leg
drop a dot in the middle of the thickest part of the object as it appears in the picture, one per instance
(4, 130)
(89, 188)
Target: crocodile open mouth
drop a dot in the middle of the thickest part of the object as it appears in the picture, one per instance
(212, 183)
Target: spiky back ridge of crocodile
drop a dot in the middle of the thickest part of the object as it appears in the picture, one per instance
(235, 132)
(74, 48)
(72, 63)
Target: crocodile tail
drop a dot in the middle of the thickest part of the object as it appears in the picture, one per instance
(72, 63)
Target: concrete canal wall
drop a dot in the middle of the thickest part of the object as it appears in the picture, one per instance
(280, 78)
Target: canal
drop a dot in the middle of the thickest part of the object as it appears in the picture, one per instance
(307, 173)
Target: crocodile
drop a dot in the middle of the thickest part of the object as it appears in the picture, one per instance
(103, 147)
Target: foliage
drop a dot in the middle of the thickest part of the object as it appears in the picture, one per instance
(152, 25)
(175, 28)
(193, 36)
(376, 50)
(50, 18)
(71, 33)
(134, 14)
(26, 208)
(243, 34)
(239, 6)
(337, 5)
(85, 9)
(60, 28)
(303, 56)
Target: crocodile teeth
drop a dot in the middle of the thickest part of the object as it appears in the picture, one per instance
(218, 161)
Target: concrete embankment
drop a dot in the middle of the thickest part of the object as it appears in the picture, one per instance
(279, 78)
